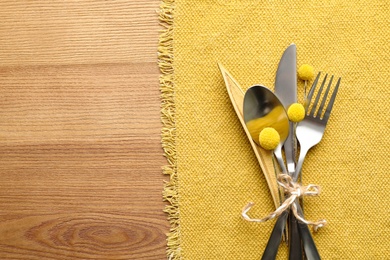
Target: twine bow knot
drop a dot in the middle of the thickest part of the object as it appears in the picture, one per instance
(293, 190)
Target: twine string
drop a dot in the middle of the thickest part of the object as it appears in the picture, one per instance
(293, 190)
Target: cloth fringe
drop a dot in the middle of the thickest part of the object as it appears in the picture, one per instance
(168, 134)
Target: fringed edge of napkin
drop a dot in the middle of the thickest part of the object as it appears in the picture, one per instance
(168, 133)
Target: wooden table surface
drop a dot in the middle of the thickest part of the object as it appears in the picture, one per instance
(80, 153)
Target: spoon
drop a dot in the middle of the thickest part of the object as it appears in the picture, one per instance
(262, 108)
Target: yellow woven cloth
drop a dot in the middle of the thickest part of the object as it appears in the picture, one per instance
(214, 172)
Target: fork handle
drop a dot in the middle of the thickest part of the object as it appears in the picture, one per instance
(309, 246)
(298, 168)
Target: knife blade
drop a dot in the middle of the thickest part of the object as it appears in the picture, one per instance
(286, 90)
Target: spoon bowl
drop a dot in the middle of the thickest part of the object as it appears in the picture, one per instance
(262, 108)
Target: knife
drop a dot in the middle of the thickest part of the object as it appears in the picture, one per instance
(286, 90)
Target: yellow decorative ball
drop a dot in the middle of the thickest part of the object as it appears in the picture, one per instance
(306, 72)
(296, 112)
(269, 138)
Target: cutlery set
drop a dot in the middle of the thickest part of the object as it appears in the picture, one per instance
(259, 108)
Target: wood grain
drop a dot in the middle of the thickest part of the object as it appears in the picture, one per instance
(80, 153)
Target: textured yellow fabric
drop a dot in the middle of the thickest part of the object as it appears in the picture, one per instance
(217, 172)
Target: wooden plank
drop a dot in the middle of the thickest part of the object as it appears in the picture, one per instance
(87, 32)
(80, 153)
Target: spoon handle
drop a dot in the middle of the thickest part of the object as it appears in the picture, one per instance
(272, 247)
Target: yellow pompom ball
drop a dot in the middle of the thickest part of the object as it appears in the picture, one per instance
(296, 112)
(269, 138)
(305, 72)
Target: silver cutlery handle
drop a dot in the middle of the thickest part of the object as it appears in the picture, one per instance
(272, 247)
(295, 243)
(279, 158)
(309, 246)
(298, 169)
(289, 149)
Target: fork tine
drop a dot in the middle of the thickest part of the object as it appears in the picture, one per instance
(318, 97)
(319, 113)
(332, 99)
(313, 86)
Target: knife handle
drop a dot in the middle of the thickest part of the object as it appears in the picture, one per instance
(272, 247)
(295, 245)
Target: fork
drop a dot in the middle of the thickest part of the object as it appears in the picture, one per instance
(310, 130)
